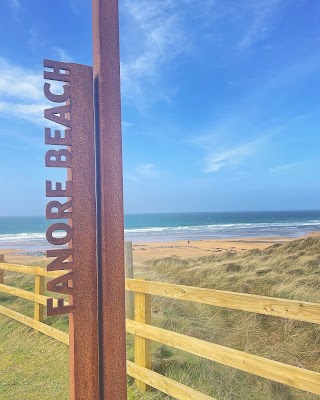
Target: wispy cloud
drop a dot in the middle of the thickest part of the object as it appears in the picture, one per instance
(21, 92)
(37, 42)
(29, 112)
(231, 156)
(16, 9)
(233, 141)
(146, 169)
(157, 33)
(142, 171)
(73, 6)
(262, 15)
(62, 54)
(284, 168)
(33, 38)
(126, 125)
(19, 82)
(15, 4)
(159, 38)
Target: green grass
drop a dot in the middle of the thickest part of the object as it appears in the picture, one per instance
(33, 365)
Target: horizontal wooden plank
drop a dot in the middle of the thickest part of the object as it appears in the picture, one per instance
(39, 326)
(297, 310)
(273, 370)
(164, 384)
(24, 269)
(24, 294)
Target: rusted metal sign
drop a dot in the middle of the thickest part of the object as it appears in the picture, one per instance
(72, 148)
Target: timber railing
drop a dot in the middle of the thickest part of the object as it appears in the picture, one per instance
(144, 333)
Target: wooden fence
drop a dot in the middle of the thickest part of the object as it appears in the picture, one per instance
(144, 332)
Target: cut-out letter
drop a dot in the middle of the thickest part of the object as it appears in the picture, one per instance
(58, 162)
(57, 139)
(56, 74)
(60, 309)
(61, 212)
(58, 191)
(63, 284)
(59, 115)
(56, 98)
(59, 241)
(59, 262)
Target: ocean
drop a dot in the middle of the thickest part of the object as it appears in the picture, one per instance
(28, 233)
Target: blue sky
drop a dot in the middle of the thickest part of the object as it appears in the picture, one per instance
(220, 101)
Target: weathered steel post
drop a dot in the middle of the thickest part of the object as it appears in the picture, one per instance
(110, 232)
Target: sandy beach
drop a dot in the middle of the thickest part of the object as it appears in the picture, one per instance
(196, 248)
(180, 248)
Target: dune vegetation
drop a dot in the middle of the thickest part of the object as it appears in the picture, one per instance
(290, 270)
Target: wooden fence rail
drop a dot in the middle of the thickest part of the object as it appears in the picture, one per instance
(292, 309)
(144, 332)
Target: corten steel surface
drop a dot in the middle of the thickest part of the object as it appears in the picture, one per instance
(83, 322)
(112, 339)
(83, 329)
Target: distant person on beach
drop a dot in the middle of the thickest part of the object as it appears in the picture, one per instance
(188, 241)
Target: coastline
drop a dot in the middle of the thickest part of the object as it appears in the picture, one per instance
(144, 250)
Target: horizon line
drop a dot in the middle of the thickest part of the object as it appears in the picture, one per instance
(180, 212)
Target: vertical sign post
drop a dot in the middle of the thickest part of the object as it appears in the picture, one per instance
(74, 136)
(106, 70)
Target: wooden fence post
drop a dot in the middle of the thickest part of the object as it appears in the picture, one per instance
(142, 346)
(128, 261)
(1, 270)
(39, 289)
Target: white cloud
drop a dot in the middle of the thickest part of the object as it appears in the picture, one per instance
(160, 38)
(232, 156)
(34, 39)
(16, 9)
(73, 6)
(29, 112)
(126, 125)
(283, 169)
(142, 171)
(19, 82)
(62, 54)
(223, 149)
(262, 14)
(146, 169)
(21, 93)
(157, 33)
(15, 4)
